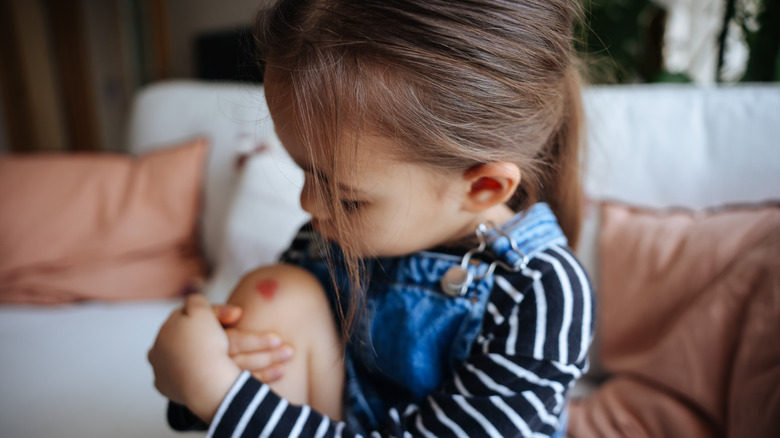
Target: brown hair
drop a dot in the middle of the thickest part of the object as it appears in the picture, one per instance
(455, 83)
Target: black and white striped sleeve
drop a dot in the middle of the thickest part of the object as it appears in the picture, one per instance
(532, 347)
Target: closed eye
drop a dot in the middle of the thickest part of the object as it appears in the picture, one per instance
(352, 206)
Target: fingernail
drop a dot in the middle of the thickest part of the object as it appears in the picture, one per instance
(274, 373)
(274, 341)
(286, 352)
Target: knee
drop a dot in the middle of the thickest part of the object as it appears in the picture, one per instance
(279, 294)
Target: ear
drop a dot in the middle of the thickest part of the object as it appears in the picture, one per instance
(490, 184)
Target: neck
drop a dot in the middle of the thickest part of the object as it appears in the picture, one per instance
(498, 214)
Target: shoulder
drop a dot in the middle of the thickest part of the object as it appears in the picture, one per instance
(558, 271)
(545, 311)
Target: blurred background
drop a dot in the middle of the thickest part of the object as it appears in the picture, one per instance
(69, 68)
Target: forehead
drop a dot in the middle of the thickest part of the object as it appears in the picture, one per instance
(315, 139)
(279, 99)
(357, 159)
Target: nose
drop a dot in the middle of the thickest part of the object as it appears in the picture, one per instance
(312, 200)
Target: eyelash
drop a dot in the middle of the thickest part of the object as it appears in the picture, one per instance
(352, 206)
(348, 205)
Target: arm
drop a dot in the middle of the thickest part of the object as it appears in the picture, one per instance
(533, 346)
(190, 358)
(262, 353)
(282, 297)
(495, 411)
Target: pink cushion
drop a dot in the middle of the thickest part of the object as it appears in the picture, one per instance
(99, 226)
(689, 313)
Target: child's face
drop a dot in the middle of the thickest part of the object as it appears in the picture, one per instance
(396, 207)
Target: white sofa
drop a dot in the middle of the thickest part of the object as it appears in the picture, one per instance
(81, 370)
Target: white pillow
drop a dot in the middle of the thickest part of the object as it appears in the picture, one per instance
(168, 112)
(262, 219)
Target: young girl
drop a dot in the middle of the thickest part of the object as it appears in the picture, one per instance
(440, 141)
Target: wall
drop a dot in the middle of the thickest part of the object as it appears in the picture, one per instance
(33, 94)
(4, 146)
(111, 83)
(189, 18)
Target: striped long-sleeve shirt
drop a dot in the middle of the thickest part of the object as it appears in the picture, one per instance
(532, 347)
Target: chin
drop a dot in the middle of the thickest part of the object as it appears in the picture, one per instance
(365, 248)
(323, 231)
(393, 250)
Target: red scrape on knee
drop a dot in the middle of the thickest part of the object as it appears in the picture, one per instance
(267, 288)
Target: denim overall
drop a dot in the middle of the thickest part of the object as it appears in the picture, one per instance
(411, 335)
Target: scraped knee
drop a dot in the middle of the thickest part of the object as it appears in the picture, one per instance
(278, 295)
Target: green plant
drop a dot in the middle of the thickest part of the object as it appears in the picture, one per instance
(762, 34)
(621, 40)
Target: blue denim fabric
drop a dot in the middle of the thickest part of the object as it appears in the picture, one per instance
(412, 335)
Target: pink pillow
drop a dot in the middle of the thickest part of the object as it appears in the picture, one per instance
(689, 313)
(99, 226)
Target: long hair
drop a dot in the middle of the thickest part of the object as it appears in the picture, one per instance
(456, 83)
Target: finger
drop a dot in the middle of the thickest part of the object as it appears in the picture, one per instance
(245, 341)
(228, 314)
(270, 374)
(258, 361)
(194, 303)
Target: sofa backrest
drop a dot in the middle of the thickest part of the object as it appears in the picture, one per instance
(673, 145)
(655, 146)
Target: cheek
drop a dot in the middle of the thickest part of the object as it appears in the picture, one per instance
(392, 231)
(409, 220)
(416, 211)
(375, 231)
(390, 217)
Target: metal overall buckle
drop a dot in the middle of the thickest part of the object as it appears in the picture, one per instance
(456, 281)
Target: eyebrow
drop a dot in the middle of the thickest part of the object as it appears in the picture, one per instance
(307, 167)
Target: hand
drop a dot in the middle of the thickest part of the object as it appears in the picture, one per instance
(261, 353)
(190, 359)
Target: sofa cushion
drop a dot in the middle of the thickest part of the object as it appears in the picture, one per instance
(689, 312)
(233, 116)
(263, 216)
(99, 226)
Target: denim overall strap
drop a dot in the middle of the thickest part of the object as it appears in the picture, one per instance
(418, 334)
(533, 230)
